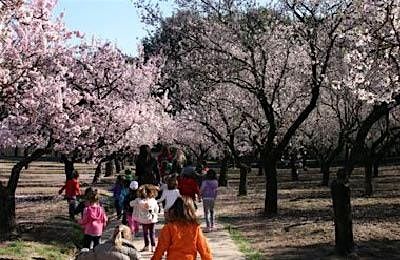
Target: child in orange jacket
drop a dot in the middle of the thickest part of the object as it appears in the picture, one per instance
(182, 237)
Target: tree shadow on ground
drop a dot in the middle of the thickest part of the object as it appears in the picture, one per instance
(57, 230)
(367, 212)
(372, 249)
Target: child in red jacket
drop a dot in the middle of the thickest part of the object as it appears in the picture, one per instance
(72, 190)
(188, 186)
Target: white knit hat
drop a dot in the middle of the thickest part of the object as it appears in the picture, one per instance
(134, 185)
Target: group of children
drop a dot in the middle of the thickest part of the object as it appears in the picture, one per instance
(141, 204)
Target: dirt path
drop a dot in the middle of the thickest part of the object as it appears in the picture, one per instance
(222, 246)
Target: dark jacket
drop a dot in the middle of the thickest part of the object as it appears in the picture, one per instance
(132, 196)
(147, 172)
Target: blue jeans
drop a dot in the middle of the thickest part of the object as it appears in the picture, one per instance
(208, 206)
(118, 208)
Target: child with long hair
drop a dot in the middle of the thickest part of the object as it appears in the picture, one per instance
(169, 195)
(182, 237)
(84, 201)
(208, 191)
(93, 220)
(119, 247)
(145, 211)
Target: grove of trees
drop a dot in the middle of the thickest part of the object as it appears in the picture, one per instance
(88, 100)
(231, 79)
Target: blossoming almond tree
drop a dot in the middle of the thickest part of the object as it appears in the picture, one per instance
(47, 103)
(278, 54)
(373, 62)
(32, 63)
(118, 91)
(223, 117)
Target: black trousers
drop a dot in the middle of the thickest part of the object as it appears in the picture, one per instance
(87, 239)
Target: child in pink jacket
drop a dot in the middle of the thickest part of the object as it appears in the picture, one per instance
(93, 221)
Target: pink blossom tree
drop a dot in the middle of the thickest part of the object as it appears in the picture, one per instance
(32, 64)
(372, 59)
(71, 99)
(278, 54)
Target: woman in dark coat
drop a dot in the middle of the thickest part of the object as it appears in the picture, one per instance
(146, 167)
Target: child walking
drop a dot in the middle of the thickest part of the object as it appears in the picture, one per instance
(84, 201)
(208, 191)
(128, 210)
(116, 189)
(72, 190)
(182, 237)
(169, 195)
(125, 191)
(145, 211)
(188, 186)
(93, 221)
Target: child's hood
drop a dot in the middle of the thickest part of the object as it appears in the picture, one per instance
(95, 212)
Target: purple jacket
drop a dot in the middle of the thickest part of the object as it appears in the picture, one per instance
(208, 189)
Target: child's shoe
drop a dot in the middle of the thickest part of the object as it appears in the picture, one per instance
(152, 248)
(145, 249)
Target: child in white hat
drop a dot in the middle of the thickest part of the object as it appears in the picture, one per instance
(128, 220)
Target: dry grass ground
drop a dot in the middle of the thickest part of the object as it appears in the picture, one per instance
(302, 230)
(42, 214)
(304, 227)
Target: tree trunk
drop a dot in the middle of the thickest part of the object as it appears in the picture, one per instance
(368, 179)
(117, 163)
(244, 170)
(108, 168)
(7, 214)
(122, 163)
(223, 173)
(97, 173)
(68, 167)
(271, 192)
(344, 242)
(295, 173)
(7, 195)
(325, 170)
(16, 151)
(346, 154)
(376, 168)
(260, 166)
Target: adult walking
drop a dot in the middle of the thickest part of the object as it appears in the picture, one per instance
(165, 160)
(179, 162)
(146, 167)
